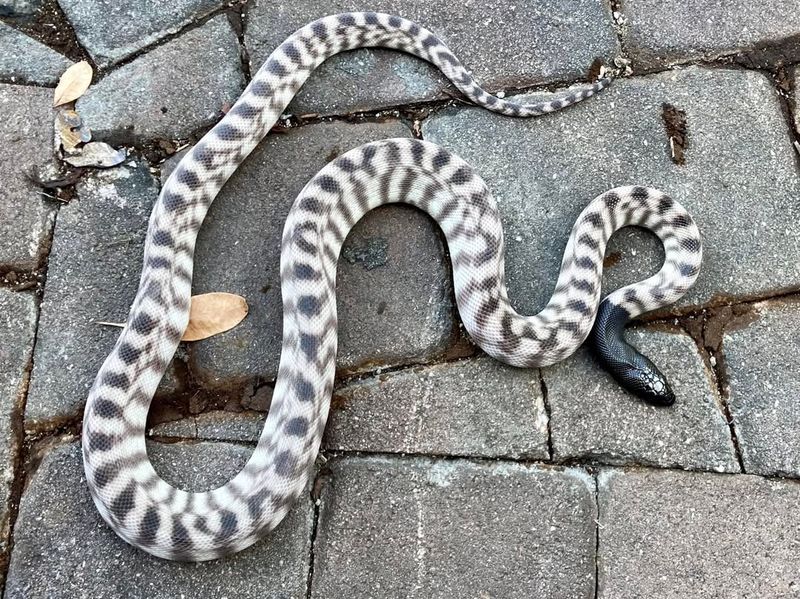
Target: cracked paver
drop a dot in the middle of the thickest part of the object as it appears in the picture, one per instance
(764, 375)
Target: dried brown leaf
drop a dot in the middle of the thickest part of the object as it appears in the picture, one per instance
(214, 313)
(73, 83)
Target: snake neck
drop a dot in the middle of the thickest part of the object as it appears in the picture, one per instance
(634, 371)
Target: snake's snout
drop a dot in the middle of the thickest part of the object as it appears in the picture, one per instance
(648, 383)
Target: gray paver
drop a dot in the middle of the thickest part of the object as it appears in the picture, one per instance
(504, 44)
(143, 100)
(418, 528)
(739, 181)
(62, 547)
(111, 30)
(674, 535)
(592, 417)
(92, 276)
(475, 407)
(25, 143)
(19, 9)
(217, 425)
(664, 32)
(17, 331)
(389, 314)
(763, 362)
(24, 60)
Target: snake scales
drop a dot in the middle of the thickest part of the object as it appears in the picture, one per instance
(151, 514)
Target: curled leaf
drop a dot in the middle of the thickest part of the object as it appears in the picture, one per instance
(71, 130)
(73, 83)
(214, 313)
(98, 154)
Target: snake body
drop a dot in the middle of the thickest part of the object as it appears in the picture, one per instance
(151, 514)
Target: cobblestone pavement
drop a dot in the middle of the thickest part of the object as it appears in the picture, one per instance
(444, 473)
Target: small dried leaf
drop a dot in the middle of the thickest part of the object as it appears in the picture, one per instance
(214, 313)
(98, 154)
(73, 83)
(71, 130)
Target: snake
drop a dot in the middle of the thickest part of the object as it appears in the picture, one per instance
(148, 512)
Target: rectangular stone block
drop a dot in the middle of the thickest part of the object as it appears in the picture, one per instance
(63, 548)
(763, 366)
(544, 171)
(505, 45)
(26, 138)
(592, 417)
(18, 314)
(441, 529)
(659, 33)
(111, 31)
(93, 273)
(475, 407)
(674, 535)
(142, 99)
(24, 60)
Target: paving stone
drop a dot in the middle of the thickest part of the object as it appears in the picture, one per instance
(544, 171)
(217, 425)
(19, 9)
(591, 417)
(93, 275)
(111, 31)
(763, 367)
(142, 99)
(663, 32)
(25, 142)
(63, 548)
(674, 535)
(504, 44)
(393, 292)
(475, 407)
(418, 528)
(17, 332)
(24, 60)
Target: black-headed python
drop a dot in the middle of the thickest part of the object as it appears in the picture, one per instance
(151, 514)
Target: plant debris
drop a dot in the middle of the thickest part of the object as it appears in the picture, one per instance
(675, 124)
(214, 313)
(209, 314)
(97, 154)
(73, 83)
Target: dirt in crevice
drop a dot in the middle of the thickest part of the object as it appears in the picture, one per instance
(677, 132)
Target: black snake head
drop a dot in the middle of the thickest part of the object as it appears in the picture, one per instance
(634, 371)
(645, 380)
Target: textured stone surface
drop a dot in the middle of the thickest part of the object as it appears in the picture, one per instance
(663, 32)
(675, 535)
(503, 44)
(19, 9)
(417, 528)
(763, 362)
(24, 60)
(25, 143)
(393, 280)
(112, 30)
(739, 181)
(17, 332)
(475, 407)
(143, 99)
(62, 547)
(592, 417)
(92, 276)
(217, 425)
